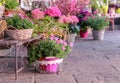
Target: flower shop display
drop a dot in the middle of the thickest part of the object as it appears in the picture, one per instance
(98, 24)
(19, 28)
(48, 53)
(83, 17)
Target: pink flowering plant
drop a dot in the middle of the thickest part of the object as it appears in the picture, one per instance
(53, 11)
(49, 47)
(71, 7)
(37, 14)
(83, 17)
(72, 21)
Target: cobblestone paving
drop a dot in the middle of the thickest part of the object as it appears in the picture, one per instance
(90, 61)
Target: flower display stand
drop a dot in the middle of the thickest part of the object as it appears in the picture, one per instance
(49, 65)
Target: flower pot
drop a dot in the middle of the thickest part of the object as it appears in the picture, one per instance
(48, 65)
(71, 38)
(98, 34)
(1, 11)
(19, 34)
(83, 34)
(9, 12)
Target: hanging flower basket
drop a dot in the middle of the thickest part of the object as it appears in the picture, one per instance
(48, 65)
(19, 34)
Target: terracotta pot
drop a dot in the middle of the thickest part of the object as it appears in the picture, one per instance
(83, 34)
(98, 34)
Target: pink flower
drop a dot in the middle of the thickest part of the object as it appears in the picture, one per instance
(85, 18)
(53, 11)
(51, 38)
(65, 43)
(37, 14)
(74, 19)
(61, 19)
(63, 48)
(61, 41)
(71, 45)
(67, 20)
(58, 42)
(56, 39)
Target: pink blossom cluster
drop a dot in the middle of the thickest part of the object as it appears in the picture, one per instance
(68, 19)
(60, 41)
(71, 7)
(37, 14)
(53, 11)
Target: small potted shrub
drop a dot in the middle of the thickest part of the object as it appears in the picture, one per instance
(48, 53)
(73, 28)
(19, 29)
(83, 17)
(98, 23)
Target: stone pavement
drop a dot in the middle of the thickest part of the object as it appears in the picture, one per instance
(89, 62)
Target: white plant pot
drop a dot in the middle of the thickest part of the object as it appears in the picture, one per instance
(71, 38)
(98, 34)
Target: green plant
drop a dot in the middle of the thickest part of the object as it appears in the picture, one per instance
(19, 23)
(2, 2)
(95, 4)
(50, 47)
(47, 24)
(11, 4)
(74, 28)
(98, 22)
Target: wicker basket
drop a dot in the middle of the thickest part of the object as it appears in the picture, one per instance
(19, 34)
(3, 26)
(49, 65)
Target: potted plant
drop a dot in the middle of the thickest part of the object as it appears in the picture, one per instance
(2, 2)
(48, 53)
(83, 16)
(18, 28)
(10, 6)
(98, 23)
(73, 28)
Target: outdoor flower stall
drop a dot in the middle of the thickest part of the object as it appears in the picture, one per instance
(49, 28)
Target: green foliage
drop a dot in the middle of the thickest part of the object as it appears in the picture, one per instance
(19, 23)
(11, 4)
(95, 4)
(98, 22)
(47, 48)
(74, 28)
(2, 2)
(46, 24)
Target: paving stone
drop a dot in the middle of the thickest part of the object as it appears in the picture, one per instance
(89, 62)
(55, 79)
